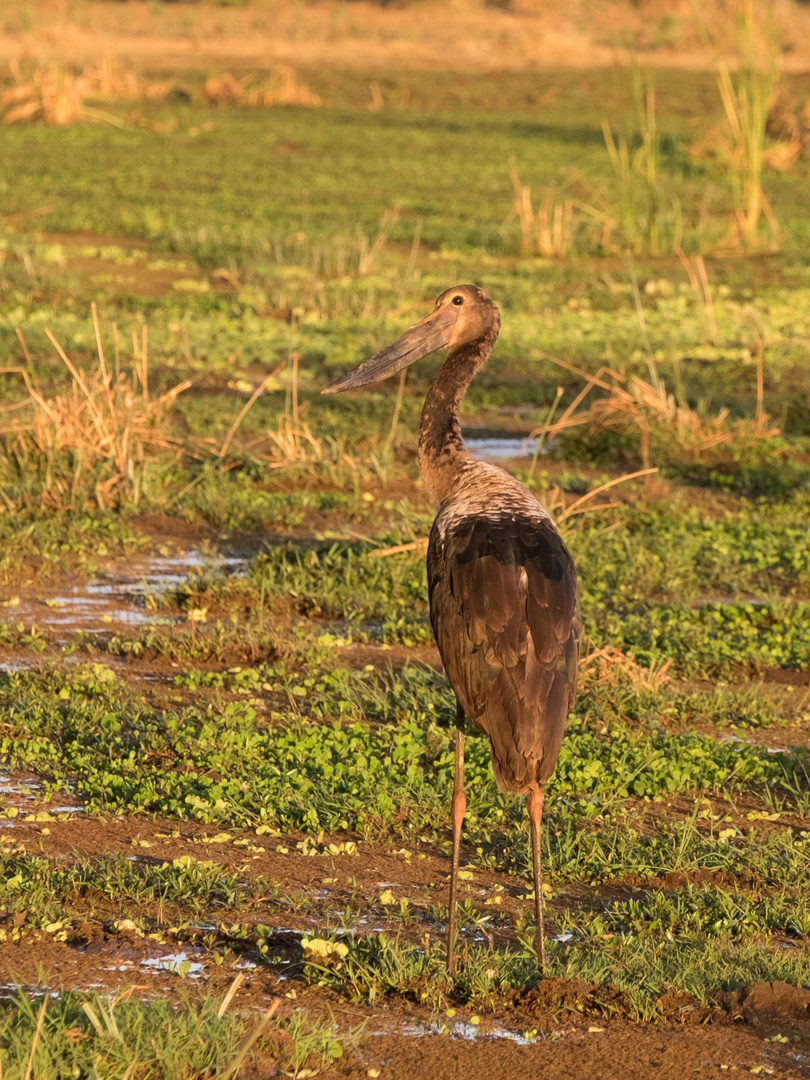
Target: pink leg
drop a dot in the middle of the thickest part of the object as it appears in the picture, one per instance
(459, 807)
(534, 805)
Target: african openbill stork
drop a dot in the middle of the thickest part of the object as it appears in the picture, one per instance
(502, 584)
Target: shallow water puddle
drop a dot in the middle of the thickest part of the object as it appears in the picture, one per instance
(127, 597)
(501, 448)
(461, 1029)
(20, 804)
(732, 738)
(10, 786)
(17, 796)
(179, 963)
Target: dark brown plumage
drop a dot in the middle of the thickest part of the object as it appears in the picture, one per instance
(503, 607)
(502, 584)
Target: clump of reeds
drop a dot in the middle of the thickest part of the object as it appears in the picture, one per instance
(640, 213)
(282, 87)
(631, 404)
(546, 231)
(749, 92)
(96, 439)
(57, 95)
(633, 214)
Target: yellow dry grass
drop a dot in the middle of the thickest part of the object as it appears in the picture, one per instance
(613, 666)
(282, 87)
(631, 403)
(96, 434)
(59, 96)
(291, 443)
(460, 35)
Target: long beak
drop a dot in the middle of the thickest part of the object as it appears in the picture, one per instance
(426, 337)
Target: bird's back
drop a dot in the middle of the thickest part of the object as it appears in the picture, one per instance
(504, 610)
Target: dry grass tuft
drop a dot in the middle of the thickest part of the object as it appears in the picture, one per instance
(106, 438)
(282, 87)
(58, 96)
(750, 98)
(54, 95)
(548, 230)
(611, 665)
(291, 443)
(112, 84)
(94, 439)
(656, 415)
(788, 126)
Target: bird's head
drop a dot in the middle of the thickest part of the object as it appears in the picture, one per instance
(461, 316)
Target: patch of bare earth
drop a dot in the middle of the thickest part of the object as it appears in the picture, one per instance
(575, 1032)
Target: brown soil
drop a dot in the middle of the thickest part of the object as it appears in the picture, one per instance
(617, 1051)
(571, 1038)
(582, 1031)
(579, 1029)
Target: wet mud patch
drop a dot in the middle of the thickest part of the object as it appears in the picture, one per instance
(91, 961)
(768, 1001)
(606, 1051)
(128, 597)
(259, 894)
(574, 1028)
(554, 998)
(403, 1040)
(24, 804)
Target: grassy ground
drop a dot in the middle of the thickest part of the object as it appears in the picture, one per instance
(225, 735)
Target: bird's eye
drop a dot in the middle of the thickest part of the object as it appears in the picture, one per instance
(458, 300)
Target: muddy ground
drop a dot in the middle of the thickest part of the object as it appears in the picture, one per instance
(148, 606)
(561, 1028)
(565, 1028)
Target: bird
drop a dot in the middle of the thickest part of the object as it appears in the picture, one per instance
(502, 586)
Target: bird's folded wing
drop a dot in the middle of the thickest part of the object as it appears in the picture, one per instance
(503, 602)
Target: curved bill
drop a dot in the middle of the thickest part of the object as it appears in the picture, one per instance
(426, 337)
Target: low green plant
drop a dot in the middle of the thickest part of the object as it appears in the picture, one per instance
(348, 771)
(186, 1039)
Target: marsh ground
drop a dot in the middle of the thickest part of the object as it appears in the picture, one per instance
(225, 733)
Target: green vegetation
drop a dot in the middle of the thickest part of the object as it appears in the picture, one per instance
(223, 760)
(80, 1034)
(277, 766)
(628, 973)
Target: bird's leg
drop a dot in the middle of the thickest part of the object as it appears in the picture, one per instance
(457, 815)
(534, 805)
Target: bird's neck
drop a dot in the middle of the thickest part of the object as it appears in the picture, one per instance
(442, 453)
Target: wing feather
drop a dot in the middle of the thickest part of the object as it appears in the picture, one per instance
(504, 610)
